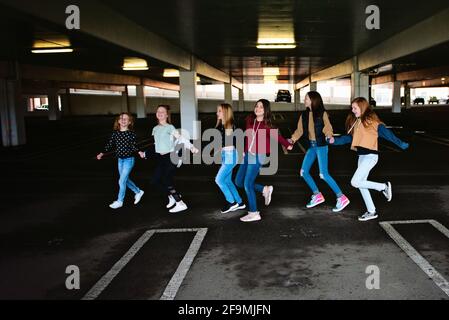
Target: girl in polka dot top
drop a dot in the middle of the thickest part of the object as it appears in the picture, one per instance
(123, 143)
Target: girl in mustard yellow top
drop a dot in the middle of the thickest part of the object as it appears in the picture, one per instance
(364, 128)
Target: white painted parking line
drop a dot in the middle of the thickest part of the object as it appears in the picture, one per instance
(178, 277)
(428, 269)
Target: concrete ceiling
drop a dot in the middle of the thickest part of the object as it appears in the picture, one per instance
(225, 34)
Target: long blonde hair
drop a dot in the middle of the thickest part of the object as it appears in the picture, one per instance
(228, 116)
(367, 114)
(117, 119)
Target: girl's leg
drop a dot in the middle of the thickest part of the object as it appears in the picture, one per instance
(126, 167)
(368, 162)
(169, 170)
(307, 163)
(250, 187)
(365, 164)
(156, 179)
(322, 153)
(224, 177)
(241, 173)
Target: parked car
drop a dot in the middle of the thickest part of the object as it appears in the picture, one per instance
(372, 102)
(283, 95)
(433, 100)
(42, 107)
(418, 100)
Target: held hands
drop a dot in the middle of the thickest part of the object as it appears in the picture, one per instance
(331, 140)
(290, 147)
(142, 154)
(99, 156)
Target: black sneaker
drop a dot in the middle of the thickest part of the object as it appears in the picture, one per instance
(239, 206)
(229, 207)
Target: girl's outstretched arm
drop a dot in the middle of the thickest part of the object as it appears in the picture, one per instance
(388, 135)
(339, 141)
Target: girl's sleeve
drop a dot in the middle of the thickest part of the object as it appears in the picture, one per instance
(388, 135)
(327, 130)
(342, 140)
(134, 147)
(110, 144)
(283, 141)
(299, 130)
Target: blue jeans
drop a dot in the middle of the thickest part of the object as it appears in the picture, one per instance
(224, 176)
(246, 177)
(124, 169)
(312, 154)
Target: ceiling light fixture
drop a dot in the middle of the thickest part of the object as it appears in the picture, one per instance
(134, 64)
(272, 71)
(56, 50)
(276, 43)
(171, 73)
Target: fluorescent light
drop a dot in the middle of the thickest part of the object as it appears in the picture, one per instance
(270, 78)
(65, 50)
(276, 43)
(276, 46)
(271, 71)
(171, 73)
(134, 64)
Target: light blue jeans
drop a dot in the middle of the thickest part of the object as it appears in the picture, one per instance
(360, 179)
(246, 177)
(312, 154)
(124, 169)
(229, 159)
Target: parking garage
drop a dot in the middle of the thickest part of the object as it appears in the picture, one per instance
(66, 72)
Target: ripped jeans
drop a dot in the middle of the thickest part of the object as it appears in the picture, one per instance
(312, 154)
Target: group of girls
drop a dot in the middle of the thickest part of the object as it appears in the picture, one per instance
(314, 129)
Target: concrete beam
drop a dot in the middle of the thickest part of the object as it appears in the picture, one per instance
(342, 69)
(382, 79)
(426, 34)
(102, 22)
(89, 78)
(303, 83)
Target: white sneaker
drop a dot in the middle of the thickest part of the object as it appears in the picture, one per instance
(180, 206)
(251, 216)
(388, 192)
(171, 202)
(267, 192)
(116, 205)
(138, 196)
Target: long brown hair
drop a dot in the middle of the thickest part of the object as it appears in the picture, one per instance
(267, 112)
(167, 108)
(228, 116)
(317, 104)
(367, 114)
(117, 119)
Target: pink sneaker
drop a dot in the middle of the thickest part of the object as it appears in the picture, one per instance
(342, 203)
(316, 200)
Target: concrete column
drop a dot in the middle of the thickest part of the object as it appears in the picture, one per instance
(296, 98)
(189, 103)
(140, 102)
(359, 85)
(53, 105)
(407, 96)
(65, 102)
(241, 107)
(313, 86)
(228, 93)
(396, 97)
(125, 101)
(12, 114)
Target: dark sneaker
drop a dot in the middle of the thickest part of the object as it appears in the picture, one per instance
(368, 216)
(229, 207)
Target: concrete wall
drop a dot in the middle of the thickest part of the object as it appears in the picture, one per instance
(103, 105)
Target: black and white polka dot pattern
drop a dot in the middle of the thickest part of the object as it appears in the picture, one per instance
(124, 143)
